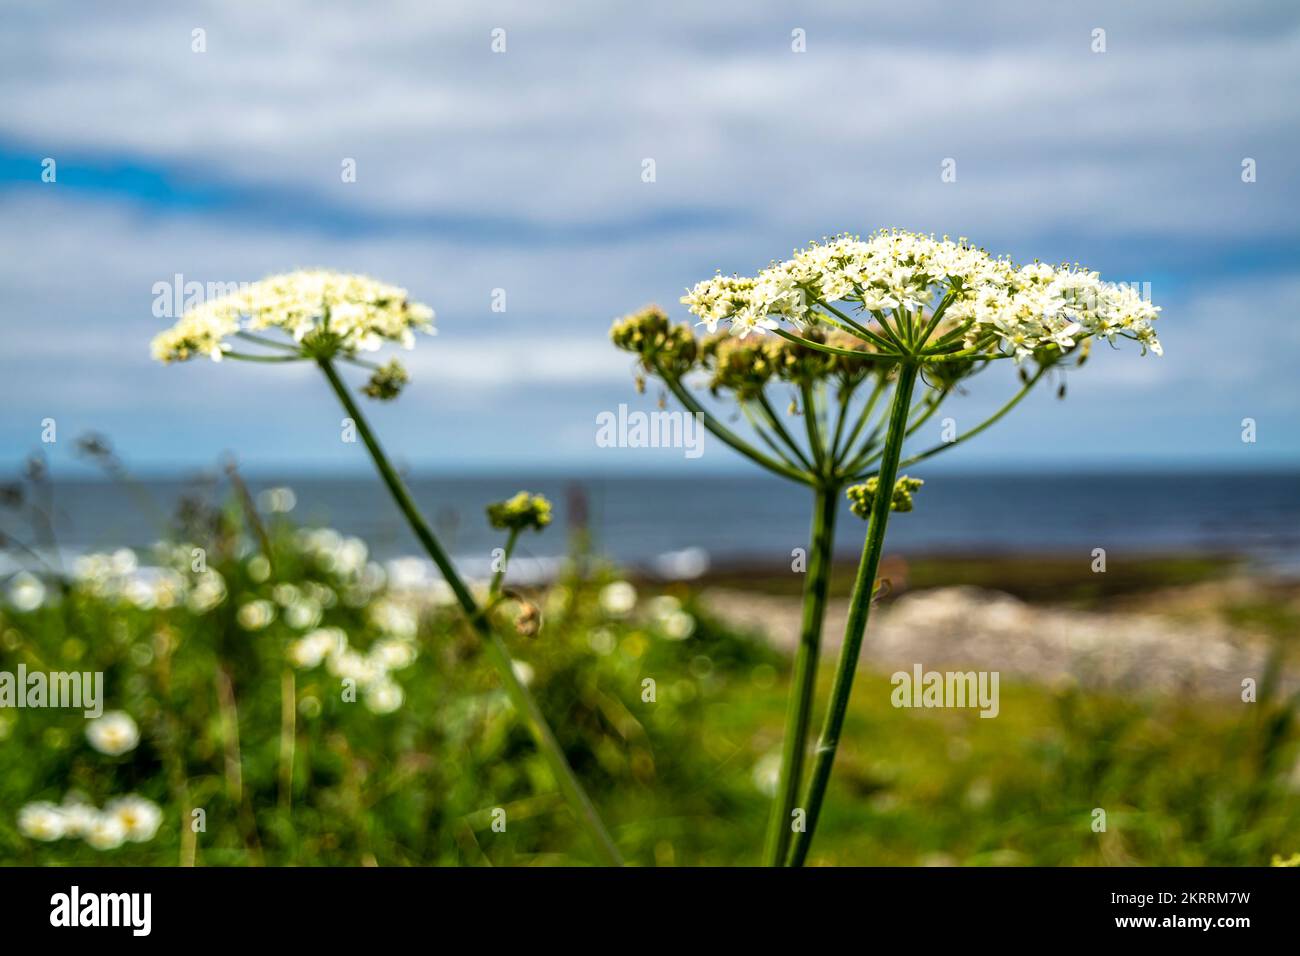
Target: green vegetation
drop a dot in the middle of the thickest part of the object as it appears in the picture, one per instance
(416, 769)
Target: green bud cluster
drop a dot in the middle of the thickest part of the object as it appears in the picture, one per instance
(387, 382)
(519, 512)
(862, 498)
(742, 366)
(652, 336)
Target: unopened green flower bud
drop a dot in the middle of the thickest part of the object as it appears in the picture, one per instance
(522, 511)
(862, 498)
(660, 344)
(742, 366)
(387, 382)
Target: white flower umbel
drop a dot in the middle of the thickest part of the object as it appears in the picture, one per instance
(347, 313)
(844, 332)
(324, 318)
(979, 303)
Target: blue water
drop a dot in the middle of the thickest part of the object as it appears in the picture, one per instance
(758, 518)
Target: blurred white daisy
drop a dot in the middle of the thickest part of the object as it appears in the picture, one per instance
(114, 733)
(617, 599)
(384, 697)
(26, 592)
(255, 615)
(106, 832)
(139, 817)
(41, 820)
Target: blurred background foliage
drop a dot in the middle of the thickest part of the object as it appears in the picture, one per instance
(671, 718)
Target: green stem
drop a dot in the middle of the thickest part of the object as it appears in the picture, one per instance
(935, 318)
(859, 610)
(987, 423)
(886, 357)
(720, 431)
(523, 701)
(811, 427)
(855, 328)
(288, 730)
(803, 683)
(864, 416)
(500, 574)
(767, 439)
(243, 357)
(270, 343)
(775, 422)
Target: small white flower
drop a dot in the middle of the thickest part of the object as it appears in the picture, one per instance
(312, 648)
(41, 820)
(350, 665)
(259, 568)
(123, 562)
(618, 599)
(285, 594)
(395, 619)
(277, 500)
(139, 817)
(384, 697)
(106, 832)
(302, 615)
(255, 615)
(351, 556)
(678, 626)
(26, 592)
(393, 654)
(207, 593)
(663, 605)
(77, 816)
(114, 733)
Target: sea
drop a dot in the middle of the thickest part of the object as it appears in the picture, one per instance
(682, 527)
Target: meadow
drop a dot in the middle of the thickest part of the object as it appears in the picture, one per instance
(288, 702)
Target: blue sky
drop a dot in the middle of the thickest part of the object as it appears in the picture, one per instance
(522, 171)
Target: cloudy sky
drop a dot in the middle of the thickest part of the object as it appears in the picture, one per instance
(522, 171)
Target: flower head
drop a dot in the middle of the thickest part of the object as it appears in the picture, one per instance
(106, 832)
(322, 311)
(26, 592)
(661, 345)
(980, 301)
(387, 382)
(522, 511)
(862, 498)
(741, 366)
(42, 821)
(114, 733)
(138, 817)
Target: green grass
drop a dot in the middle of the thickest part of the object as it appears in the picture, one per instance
(677, 776)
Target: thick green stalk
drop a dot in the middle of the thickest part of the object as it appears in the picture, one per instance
(803, 683)
(496, 649)
(859, 610)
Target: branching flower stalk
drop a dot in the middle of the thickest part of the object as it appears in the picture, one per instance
(330, 317)
(866, 318)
